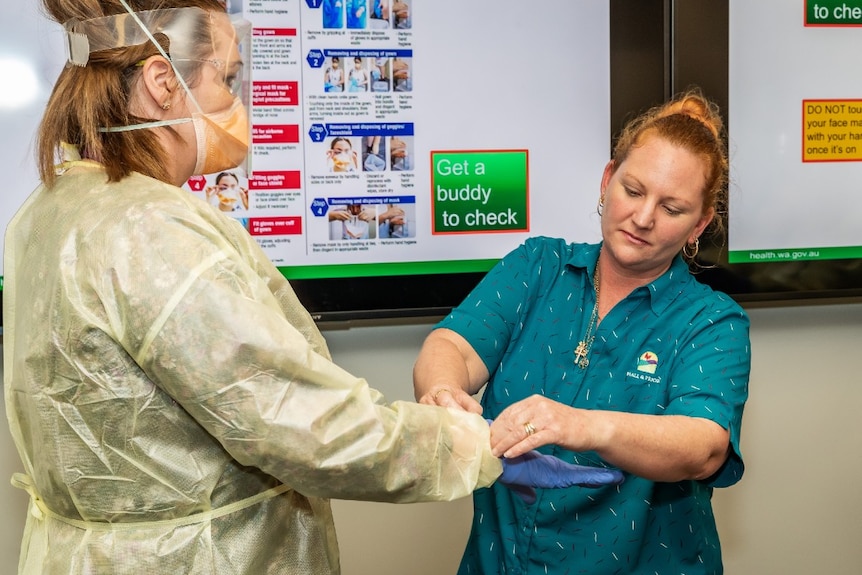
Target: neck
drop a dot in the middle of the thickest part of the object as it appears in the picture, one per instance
(616, 283)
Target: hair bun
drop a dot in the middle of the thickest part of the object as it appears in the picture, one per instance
(695, 105)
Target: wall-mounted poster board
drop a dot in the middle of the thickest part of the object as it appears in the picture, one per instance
(428, 142)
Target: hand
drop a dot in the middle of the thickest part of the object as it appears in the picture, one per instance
(451, 396)
(391, 214)
(550, 423)
(339, 215)
(398, 148)
(400, 69)
(533, 469)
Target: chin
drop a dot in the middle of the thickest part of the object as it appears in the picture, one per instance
(639, 258)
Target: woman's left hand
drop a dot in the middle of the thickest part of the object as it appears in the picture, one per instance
(538, 421)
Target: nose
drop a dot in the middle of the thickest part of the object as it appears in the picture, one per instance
(644, 215)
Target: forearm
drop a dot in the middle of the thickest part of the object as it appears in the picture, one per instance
(657, 447)
(444, 362)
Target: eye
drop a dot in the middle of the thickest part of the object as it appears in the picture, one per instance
(672, 211)
(233, 79)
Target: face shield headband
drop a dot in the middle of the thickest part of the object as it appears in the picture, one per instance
(181, 26)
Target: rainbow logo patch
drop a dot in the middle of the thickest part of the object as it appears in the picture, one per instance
(647, 362)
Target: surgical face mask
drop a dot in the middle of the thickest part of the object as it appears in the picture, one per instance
(222, 139)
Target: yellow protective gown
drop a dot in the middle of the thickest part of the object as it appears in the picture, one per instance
(175, 407)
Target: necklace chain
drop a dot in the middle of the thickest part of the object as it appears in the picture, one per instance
(583, 350)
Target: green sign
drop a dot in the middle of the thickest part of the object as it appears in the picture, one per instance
(833, 13)
(479, 191)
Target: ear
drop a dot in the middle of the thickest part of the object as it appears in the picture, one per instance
(701, 224)
(610, 169)
(159, 83)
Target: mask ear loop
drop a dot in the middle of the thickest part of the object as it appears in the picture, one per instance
(163, 53)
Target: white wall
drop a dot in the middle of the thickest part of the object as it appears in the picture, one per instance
(797, 511)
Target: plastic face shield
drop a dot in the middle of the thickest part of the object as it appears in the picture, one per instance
(197, 37)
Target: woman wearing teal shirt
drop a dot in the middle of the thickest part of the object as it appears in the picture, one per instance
(613, 355)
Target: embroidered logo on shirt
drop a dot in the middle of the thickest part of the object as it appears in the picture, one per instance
(648, 362)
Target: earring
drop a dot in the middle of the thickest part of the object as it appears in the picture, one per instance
(689, 251)
(166, 105)
(601, 207)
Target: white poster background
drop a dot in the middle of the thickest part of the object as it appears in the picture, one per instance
(489, 75)
(776, 62)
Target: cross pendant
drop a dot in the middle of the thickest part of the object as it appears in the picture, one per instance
(581, 355)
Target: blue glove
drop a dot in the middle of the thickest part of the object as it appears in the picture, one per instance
(533, 469)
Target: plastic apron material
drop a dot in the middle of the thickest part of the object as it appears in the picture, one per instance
(175, 407)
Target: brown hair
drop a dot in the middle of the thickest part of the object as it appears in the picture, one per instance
(85, 99)
(690, 121)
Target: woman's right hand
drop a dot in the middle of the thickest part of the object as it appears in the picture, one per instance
(451, 396)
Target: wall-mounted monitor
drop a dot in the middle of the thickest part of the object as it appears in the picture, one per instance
(399, 154)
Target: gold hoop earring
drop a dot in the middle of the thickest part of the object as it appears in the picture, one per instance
(689, 251)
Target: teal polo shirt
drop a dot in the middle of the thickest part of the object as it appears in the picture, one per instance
(672, 347)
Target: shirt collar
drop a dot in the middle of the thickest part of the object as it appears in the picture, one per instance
(666, 288)
(662, 291)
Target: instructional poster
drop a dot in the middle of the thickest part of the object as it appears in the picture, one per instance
(420, 136)
(389, 137)
(795, 125)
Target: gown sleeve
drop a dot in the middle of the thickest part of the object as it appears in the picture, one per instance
(213, 323)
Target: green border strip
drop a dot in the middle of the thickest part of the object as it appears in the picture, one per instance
(794, 255)
(385, 269)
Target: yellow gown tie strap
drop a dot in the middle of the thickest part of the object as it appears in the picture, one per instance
(39, 510)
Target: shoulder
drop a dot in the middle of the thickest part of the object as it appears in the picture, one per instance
(540, 263)
(711, 298)
(137, 211)
(150, 203)
(549, 248)
(707, 310)
(556, 253)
